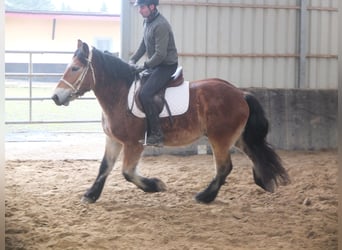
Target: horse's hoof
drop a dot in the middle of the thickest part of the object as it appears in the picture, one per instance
(204, 198)
(153, 185)
(161, 186)
(87, 200)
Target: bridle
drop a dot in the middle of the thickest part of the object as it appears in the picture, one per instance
(77, 84)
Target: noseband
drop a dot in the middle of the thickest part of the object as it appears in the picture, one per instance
(77, 84)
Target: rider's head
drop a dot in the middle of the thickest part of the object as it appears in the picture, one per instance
(146, 7)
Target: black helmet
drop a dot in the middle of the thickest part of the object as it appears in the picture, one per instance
(146, 2)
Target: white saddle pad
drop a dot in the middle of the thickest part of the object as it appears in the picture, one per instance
(176, 97)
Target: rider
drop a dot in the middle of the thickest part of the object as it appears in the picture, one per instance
(162, 60)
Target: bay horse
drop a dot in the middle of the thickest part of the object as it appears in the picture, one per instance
(223, 113)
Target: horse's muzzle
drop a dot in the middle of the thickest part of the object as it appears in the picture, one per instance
(56, 99)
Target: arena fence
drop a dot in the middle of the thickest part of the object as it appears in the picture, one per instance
(300, 119)
(30, 67)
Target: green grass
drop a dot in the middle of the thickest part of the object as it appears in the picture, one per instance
(46, 110)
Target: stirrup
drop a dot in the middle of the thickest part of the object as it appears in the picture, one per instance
(153, 140)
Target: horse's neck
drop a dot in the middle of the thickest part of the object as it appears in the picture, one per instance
(111, 93)
(112, 96)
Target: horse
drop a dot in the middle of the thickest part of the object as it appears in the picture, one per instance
(228, 116)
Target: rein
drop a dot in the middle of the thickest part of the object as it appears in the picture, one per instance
(77, 84)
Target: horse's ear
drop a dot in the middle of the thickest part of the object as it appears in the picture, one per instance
(79, 44)
(85, 48)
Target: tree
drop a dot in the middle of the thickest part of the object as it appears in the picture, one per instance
(46, 5)
(104, 7)
(65, 7)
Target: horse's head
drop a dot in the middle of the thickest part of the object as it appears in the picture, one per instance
(78, 77)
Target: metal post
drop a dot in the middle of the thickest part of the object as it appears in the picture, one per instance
(53, 28)
(30, 86)
(125, 26)
(302, 45)
(340, 122)
(2, 127)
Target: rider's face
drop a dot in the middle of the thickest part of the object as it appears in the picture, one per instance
(144, 10)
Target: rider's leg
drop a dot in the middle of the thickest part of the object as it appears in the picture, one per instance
(155, 136)
(158, 79)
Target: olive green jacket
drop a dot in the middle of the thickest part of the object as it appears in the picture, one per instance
(158, 43)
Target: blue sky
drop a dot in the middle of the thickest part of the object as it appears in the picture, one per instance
(114, 6)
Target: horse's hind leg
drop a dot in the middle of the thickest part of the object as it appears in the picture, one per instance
(112, 152)
(131, 158)
(223, 167)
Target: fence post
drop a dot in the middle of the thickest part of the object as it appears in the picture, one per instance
(302, 45)
(125, 26)
(30, 68)
(2, 126)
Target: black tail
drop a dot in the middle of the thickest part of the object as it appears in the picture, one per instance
(268, 171)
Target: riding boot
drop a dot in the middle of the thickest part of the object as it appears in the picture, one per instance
(155, 136)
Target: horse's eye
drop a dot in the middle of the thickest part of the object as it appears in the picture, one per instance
(74, 68)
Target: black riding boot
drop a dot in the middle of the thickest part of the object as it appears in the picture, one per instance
(155, 136)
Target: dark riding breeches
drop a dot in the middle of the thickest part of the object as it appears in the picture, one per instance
(157, 80)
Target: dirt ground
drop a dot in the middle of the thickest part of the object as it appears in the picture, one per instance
(43, 208)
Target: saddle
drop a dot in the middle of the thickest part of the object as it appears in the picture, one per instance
(159, 98)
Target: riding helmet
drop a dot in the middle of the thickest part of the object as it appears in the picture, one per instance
(146, 2)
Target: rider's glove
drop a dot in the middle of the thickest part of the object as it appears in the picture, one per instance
(137, 68)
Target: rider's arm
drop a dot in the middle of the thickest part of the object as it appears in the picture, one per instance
(139, 52)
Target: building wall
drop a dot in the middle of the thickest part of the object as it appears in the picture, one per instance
(299, 119)
(251, 43)
(264, 46)
(27, 31)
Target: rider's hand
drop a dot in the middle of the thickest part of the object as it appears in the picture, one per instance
(137, 68)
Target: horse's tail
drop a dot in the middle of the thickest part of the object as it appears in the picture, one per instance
(268, 171)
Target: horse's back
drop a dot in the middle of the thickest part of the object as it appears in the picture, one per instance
(219, 92)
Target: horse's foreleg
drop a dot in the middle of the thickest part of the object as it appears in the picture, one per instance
(223, 167)
(131, 158)
(112, 152)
